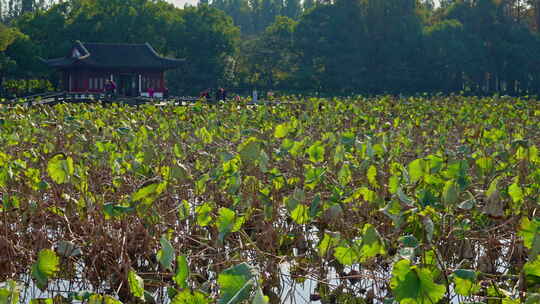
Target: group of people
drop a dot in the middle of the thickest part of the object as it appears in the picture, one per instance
(221, 94)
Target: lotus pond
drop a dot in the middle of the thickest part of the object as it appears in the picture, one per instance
(366, 200)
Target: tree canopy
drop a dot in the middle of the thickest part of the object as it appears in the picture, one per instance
(331, 46)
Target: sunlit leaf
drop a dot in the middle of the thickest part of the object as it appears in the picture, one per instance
(327, 243)
(515, 192)
(183, 210)
(301, 214)
(347, 254)
(345, 175)
(146, 192)
(182, 272)
(530, 232)
(281, 130)
(393, 184)
(204, 135)
(9, 292)
(372, 244)
(235, 284)
(99, 299)
(203, 214)
(415, 285)
(532, 268)
(313, 176)
(339, 154)
(297, 148)
(41, 301)
(60, 168)
(110, 300)
(166, 254)
(46, 267)
(225, 222)
(316, 152)
(186, 296)
(372, 176)
(465, 282)
(416, 170)
(136, 284)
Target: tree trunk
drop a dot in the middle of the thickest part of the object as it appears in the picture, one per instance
(3, 92)
(537, 14)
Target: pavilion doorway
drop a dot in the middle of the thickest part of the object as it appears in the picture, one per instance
(128, 85)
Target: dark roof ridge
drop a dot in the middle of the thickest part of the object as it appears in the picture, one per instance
(152, 50)
(116, 43)
(146, 44)
(115, 55)
(157, 55)
(81, 45)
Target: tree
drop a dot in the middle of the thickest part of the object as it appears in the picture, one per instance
(269, 11)
(269, 59)
(27, 6)
(206, 37)
(447, 57)
(308, 4)
(330, 57)
(499, 44)
(337, 46)
(7, 38)
(292, 9)
(47, 29)
(203, 35)
(394, 32)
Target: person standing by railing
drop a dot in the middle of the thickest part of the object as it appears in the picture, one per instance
(205, 94)
(110, 88)
(221, 95)
(255, 95)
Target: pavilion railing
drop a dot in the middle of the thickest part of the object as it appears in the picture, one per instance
(87, 97)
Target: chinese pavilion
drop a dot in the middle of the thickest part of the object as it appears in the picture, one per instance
(135, 68)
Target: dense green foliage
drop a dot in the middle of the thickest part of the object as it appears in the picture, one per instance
(404, 200)
(334, 47)
(204, 35)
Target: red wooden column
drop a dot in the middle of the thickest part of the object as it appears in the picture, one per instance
(85, 75)
(77, 81)
(74, 81)
(70, 76)
(65, 80)
(76, 77)
(162, 81)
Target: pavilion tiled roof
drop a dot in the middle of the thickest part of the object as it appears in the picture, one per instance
(114, 56)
